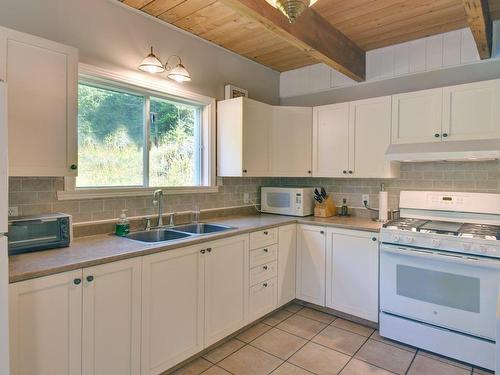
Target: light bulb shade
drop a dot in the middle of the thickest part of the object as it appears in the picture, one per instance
(292, 9)
(179, 74)
(151, 64)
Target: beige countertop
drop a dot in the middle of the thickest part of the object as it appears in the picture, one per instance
(99, 249)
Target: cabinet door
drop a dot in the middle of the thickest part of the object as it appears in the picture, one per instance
(112, 318)
(331, 140)
(226, 287)
(287, 260)
(41, 76)
(471, 111)
(370, 135)
(417, 116)
(172, 308)
(311, 258)
(46, 324)
(292, 141)
(257, 136)
(352, 273)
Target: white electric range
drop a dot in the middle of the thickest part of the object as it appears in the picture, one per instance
(440, 274)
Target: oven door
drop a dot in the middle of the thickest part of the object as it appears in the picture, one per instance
(449, 290)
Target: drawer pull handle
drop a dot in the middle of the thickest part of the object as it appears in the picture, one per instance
(265, 267)
(265, 285)
(266, 250)
(77, 281)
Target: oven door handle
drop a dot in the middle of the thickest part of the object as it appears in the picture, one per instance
(434, 255)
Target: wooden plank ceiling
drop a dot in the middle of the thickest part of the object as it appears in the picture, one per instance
(369, 24)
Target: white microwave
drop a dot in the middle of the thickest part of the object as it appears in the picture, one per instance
(287, 201)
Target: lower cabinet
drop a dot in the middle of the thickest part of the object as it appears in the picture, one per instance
(311, 258)
(46, 325)
(352, 273)
(226, 286)
(80, 322)
(172, 307)
(287, 260)
(262, 299)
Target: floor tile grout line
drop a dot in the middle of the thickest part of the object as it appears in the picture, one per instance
(450, 361)
(395, 344)
(352, 356)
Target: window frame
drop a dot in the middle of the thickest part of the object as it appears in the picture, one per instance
(137, 83)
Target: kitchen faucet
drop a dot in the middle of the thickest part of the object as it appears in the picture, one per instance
(158, 199)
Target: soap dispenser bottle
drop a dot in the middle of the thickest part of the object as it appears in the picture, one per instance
(123, 225)
(344, 211)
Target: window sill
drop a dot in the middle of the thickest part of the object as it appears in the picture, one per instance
(86, 193)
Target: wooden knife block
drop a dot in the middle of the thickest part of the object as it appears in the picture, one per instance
(325, 209)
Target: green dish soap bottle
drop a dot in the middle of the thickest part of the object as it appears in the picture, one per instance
(123, 225)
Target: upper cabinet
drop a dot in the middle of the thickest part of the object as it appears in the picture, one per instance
(455, 113)
(417, 116)
(244, 129)
(350, 139)
(471, 111)
(291, 150)
(42, 78)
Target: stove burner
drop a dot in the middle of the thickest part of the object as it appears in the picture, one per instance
(466, 230)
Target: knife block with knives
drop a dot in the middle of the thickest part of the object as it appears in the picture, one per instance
(324, 205)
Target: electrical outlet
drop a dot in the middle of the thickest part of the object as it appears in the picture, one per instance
(246, 198)
(13, 211)
(365, 198)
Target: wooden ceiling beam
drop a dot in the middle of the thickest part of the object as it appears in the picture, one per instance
(311, 33)
(478, 17)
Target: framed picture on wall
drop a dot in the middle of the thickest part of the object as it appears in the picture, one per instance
(231, 91)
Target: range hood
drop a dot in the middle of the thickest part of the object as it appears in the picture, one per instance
(487, 149)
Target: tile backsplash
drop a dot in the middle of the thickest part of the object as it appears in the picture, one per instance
(38, 195)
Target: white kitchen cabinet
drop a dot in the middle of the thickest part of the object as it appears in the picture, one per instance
(111, 342)
(417, 116)
(291, 151)
(311, 263)
(172, 308)
(352, 272)
(226, 287)
(331, 140)
(369, 137)
(42, 79)
(46, 325)
(350, 139)
(263, 298)
(471, 111)
(287, 260)
(244, 133)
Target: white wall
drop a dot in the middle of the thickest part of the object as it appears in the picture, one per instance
(110, 35)
(422, 55)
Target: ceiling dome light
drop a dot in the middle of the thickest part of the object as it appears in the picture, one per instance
(151, 64)
(292, 9)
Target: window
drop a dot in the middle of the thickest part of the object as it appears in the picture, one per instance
(130, 138)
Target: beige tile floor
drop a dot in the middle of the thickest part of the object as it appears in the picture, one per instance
(298, 340)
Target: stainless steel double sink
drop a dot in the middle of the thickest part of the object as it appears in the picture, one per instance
(177, 232)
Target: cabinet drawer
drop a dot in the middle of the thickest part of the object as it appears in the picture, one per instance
(263, 238)
(264, 272)
(264, 255)
(263, 298)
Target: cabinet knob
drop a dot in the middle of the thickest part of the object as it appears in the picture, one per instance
(445, 135)
(322, 232)
(73, 167)
(77, 281)
(266, 233)
(244, 171)
(265, 267)
(344, 172)
(309, 172)
(209, 249)
(265, 285)
(374, 239)
(90, 278)
(202, 251)
(265, 250)
(436, 135)
(350, 172)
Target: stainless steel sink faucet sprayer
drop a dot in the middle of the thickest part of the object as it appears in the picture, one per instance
(158, 199)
